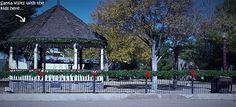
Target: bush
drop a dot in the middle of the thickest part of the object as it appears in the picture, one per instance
(4, 74)
(123, 73)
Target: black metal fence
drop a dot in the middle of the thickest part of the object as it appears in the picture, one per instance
(124, 85)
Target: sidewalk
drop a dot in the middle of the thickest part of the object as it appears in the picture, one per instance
(110, 97)
(122, 103)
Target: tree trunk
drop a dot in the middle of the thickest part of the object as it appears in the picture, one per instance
(173, 61)
(175, 55)
(175, 67)
(154, 55)
(106, 66)
(154, 58)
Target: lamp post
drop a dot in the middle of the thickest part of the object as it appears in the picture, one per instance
(224, 36)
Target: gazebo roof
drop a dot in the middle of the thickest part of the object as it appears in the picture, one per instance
(57, 25)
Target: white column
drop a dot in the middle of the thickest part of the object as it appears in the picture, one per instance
(75, 57)
(10, 62)
(36, 56)
(102, 59)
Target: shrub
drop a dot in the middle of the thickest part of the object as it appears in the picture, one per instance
(122, 73)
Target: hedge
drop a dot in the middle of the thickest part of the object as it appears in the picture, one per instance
(123, 73)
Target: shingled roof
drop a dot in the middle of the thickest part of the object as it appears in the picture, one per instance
(56, 25)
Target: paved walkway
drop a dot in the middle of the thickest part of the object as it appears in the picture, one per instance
(111, 97)
(117, 100)
(123, 103)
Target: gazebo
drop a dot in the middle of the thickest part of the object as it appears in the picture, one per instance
(57, 27)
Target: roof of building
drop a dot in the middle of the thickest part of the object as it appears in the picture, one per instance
(56, 25)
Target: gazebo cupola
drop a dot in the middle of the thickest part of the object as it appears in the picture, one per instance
(56, 27)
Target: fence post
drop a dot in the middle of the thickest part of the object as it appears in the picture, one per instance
(231, 86)
(146, 85)
(44, 68)
(44, 83)
(42, 75)
(147, 75)
(193, 74)
(192, 86)
(94, 83)
(94, 80)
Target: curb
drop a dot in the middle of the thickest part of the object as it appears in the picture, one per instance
(110, 97)
(183, 96)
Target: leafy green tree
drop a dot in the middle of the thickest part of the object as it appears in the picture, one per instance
(123, 48)
(207, 51)
(142, 18)
(227, 13)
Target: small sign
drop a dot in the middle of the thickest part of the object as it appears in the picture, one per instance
(41, 74)
(94, 74)
(148, 74)
(193, 73)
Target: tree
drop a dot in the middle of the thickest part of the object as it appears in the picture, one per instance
(9, 22)
(226, 15)
(180, 23)
(123, 48)
(224, 22)
(142, 18)
(225, 19)
(149, 20)
(207, 51)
